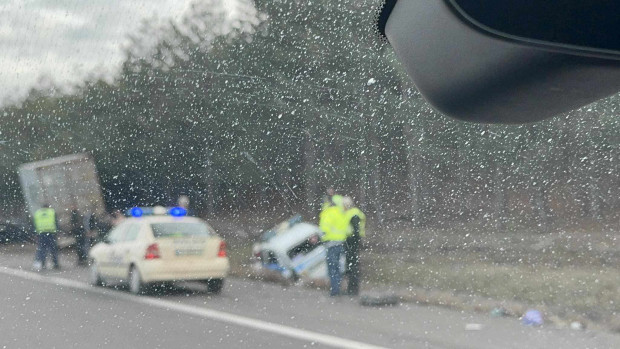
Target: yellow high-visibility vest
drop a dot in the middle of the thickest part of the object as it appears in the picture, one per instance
(333, 222)
(45, 220)
(350, 213)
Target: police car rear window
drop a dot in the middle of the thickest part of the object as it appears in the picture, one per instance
(161, 230)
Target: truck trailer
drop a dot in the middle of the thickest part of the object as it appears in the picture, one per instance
(63, 182)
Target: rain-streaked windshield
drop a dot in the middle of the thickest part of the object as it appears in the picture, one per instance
(269, 121)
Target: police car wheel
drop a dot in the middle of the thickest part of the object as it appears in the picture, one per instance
(215, 285)
(136, 286)
(94, 276)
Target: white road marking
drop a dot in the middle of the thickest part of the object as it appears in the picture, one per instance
(287, 331)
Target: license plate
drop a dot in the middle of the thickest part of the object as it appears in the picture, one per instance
(189, 252)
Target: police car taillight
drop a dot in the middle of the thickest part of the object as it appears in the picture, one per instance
(152, 252)
(222, 251)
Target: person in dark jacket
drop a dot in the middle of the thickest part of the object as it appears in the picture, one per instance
(79, 233)
(357, 230)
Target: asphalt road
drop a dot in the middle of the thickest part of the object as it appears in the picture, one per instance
(57, 309)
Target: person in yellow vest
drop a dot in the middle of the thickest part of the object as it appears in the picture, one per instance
(333, 223)
(46, 227)
(356, 223)
(331, 198)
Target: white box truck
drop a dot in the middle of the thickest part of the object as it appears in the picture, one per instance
(62, 182)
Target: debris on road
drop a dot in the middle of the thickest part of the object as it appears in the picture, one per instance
(577, 326)
(499, 312)
(473, 327)
(532, 318)
(379, 300)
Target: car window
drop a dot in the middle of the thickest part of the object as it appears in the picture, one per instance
(162, 230)
(132, 232)
(305, 247)
(117, 234)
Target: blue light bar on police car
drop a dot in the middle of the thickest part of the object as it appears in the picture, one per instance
(156, 211)
(136, 212)
(177, 212)
(140, 211)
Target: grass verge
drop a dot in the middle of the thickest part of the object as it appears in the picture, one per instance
(569, 277)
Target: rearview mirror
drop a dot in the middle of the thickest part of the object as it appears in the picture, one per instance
(508, 61)
(584, 25)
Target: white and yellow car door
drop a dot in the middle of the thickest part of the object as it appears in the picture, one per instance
(125, 249)
(105, 256)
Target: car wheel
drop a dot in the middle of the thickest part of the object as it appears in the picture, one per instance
(215, 285)
(94, 276)
(136, 286)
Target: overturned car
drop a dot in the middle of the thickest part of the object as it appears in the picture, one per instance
(294, 250)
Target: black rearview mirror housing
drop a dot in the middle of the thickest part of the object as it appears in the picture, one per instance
(509, 61)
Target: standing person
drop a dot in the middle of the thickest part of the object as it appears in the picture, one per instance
(117, 217)
(183, 201)
(356, 220)
(333, 222)
(331, 198)
(79, 233)
(91, 233)
(46, 227)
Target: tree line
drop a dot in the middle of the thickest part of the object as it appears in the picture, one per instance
(269, 107)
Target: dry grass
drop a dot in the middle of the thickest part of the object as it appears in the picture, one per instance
(568, 275)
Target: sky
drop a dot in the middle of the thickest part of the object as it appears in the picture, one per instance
(66, 40)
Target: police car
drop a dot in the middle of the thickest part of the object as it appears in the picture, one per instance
(156, 245)
(293, 249)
